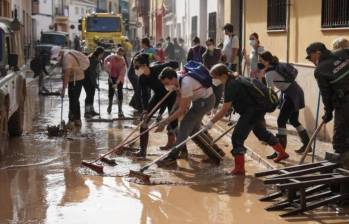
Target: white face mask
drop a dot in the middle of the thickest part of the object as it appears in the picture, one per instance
(170, 88)
(139, 72)
(253, 43)
(216, 82)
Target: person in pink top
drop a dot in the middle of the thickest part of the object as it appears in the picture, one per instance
(115, 66)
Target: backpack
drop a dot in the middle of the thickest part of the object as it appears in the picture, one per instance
(197, 56)
(287, 71)
(264, 97)
(198, 72)
(341, 64)
(82, 60)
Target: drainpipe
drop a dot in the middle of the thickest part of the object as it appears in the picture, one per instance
(288, 30)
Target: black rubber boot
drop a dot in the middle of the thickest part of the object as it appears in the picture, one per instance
(143, 142)
(305, 140)
(283, 141)
(120, 114)
(110, 106)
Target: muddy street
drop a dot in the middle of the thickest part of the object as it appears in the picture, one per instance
(42, 180)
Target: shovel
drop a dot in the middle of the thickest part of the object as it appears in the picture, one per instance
(146, 178)
(313, 137)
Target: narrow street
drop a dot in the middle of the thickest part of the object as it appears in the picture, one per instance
(42, 181)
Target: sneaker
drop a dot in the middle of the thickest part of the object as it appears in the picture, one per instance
(272, 156)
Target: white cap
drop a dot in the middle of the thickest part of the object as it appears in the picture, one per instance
(55, 50)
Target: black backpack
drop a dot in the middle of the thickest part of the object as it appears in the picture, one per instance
(264, 97)
(287, 71)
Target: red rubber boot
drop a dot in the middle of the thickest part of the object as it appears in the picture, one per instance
(239, 168)
(282, 155)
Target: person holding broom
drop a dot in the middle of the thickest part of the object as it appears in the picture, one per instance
(148, 81)
(252, 114)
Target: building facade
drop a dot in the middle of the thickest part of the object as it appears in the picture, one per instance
(286, 28)
(24, 15)
(76, 10)
(42, 17)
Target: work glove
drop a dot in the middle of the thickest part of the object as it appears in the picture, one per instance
(327, 117)
(209, 125)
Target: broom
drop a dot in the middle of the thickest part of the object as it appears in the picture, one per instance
(99, 168)
(145, 177)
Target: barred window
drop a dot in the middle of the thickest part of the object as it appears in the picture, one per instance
(277, 14)
(335, 13)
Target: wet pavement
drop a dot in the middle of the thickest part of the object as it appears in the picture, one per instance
(41, 180)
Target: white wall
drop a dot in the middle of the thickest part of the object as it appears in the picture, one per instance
(76, 11)
(43, 20)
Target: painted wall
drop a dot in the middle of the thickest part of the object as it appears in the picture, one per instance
(43, 19)
(305, 27)
(77, 10)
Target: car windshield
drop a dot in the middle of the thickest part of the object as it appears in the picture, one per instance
(54, 39)
(105, 24)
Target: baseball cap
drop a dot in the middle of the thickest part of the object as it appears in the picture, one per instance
(313, 47)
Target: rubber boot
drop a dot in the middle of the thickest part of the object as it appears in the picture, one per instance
(184, 153)
(171, 140)
(143, 142)
(239, 168)
(305, 140)
(93, 112)
(120, 114)
(282, 155)
(110, 106)
(88, 113)
(283, 141)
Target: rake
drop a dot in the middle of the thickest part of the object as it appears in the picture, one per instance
(103, 158)
(145, 178)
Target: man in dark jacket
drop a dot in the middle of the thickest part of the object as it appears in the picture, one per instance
(332, 75)
(170, 50)
(149, 80)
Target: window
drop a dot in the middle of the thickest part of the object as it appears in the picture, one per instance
(194, 26)
(212, 20)
(82, 11)
(76, 11)
(335, 13)
(277, 14)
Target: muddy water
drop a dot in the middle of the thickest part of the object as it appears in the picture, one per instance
(41, 181)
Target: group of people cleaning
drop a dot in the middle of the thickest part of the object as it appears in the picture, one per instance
(197, 90)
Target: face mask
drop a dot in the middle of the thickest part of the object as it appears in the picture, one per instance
(253, 43)
(216, 82)
(210, 48)
(170, 88)
(261, 66)
(139, 72)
